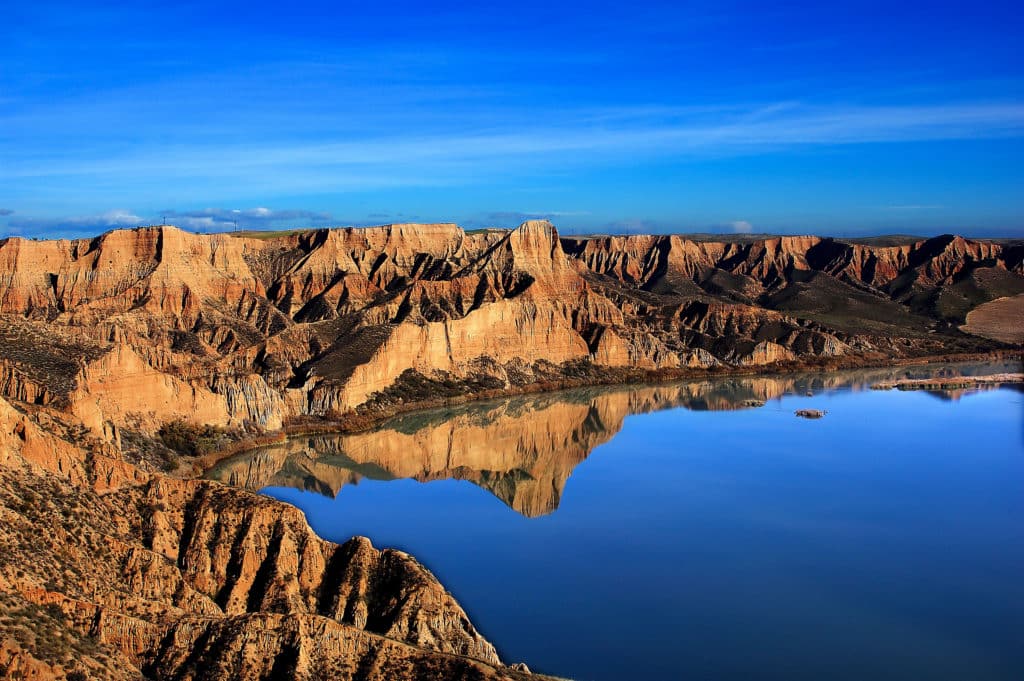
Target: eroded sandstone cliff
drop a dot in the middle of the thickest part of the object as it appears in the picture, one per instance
(113, 572)
(134, 328)
(113, 569)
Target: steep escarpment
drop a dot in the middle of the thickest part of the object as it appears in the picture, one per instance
(113, 349)
(113, 572)
(135, 328)
(854, 289)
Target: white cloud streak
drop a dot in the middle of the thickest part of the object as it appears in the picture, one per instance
(73, 226)
(205, 220)
(439, 159)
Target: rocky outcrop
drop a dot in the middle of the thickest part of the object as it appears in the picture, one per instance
(648, 261)
(135, 328)
(120, 387)
(121, 570)
(184, 579)
(263, 646)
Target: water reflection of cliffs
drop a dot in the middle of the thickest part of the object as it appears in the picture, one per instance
(521, 449)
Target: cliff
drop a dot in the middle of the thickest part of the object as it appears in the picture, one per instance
(120, 572)
(138, 327)
(115, 567)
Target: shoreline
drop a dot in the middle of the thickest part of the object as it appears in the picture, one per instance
(951, 383)
(372, 417)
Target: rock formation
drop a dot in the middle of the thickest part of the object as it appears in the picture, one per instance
(113, 572)
(134, 328)
(113, 568)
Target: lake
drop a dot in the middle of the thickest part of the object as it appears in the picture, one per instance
(701, 530)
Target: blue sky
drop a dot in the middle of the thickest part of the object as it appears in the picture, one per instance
(834, 118)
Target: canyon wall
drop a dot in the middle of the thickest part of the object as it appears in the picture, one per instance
(135, 328)
(114, 566)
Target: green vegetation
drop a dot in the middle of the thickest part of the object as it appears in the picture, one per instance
(45, 633)
(142, 449)
(268, 234)
(884, 240)
(486, 230)
(190, 439)
(413, 386)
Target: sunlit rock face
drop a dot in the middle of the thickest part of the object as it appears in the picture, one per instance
(521, 449)
(105, 341)
(137, 327)
(146, 575)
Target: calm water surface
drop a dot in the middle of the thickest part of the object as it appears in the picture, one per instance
(668, 532)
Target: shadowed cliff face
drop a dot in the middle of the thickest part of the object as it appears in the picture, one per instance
(522, 449)
(134, 328)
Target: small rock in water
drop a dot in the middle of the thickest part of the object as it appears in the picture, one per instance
(810, 413)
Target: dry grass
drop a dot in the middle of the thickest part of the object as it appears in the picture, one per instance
(1001, 319)
(268, 234)
(43, 354)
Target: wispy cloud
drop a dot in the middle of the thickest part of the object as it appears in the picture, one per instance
(564, 141)
(625, 226)
(72, 226)
(809, 116)
(741, 227)
(206, 220)
(260, 217)
(913, 207)
(512, 218)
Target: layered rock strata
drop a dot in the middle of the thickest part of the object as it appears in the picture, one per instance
(134, 328)
(112, 572)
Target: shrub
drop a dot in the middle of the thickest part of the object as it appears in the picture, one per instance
(189, 439)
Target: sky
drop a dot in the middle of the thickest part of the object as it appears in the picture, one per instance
(842, 119)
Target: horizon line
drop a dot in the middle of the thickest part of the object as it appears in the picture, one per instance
(570, 233)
